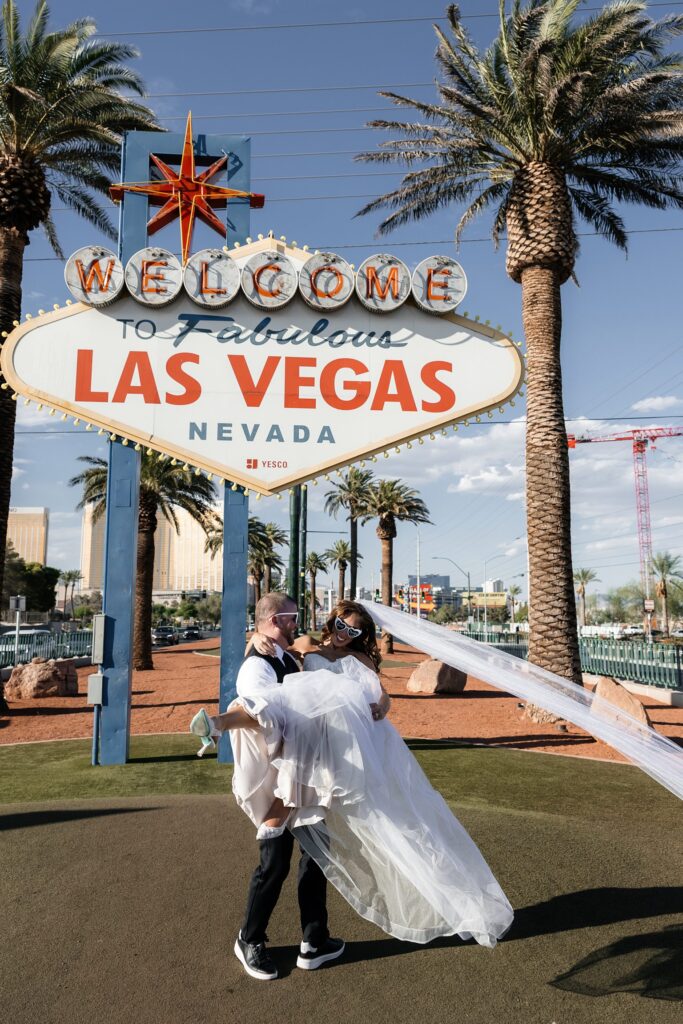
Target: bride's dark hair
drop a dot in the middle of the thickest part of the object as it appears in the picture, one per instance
(366, 643)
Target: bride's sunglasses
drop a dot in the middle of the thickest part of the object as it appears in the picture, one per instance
(341, 628)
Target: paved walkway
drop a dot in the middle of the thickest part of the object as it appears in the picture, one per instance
(125, 912)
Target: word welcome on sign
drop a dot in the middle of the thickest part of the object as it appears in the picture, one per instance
(263, 395)
(268, 279)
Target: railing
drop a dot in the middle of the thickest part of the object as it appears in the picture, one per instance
(650, 664)
(56, 645)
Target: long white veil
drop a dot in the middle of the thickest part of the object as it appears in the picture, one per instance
(657, 755)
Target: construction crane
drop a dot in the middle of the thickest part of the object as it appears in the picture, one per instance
(640, 441)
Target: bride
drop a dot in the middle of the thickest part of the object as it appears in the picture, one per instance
(318, 756)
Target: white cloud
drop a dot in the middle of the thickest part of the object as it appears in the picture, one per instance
(657, 403)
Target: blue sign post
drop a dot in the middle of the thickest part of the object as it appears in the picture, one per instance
(124, 468)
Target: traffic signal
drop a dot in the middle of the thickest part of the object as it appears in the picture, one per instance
(400, 593)
(377, 595)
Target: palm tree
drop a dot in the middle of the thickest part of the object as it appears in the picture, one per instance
(163, 488)
(76, 577)
(314, 564)
(557, 119)
(513, 593)
(339, 555)
(261, 558)
(62, 116)
(276, 538)
(65, 580)
(389, 501)
(668, 571)
(350, 493)
(582, 577)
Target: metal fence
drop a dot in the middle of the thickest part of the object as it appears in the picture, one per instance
(43, 645)
(650, 664)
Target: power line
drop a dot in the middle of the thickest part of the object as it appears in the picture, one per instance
(488, 423)
(378, 243)
(286, 26)
(279, 92)
(277, 113)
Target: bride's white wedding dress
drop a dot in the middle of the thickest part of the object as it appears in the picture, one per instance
(364, 809)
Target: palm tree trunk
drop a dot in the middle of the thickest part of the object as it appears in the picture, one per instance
(341, 585)
(12, 246)
(583, 609)
(142, 634)
(553, 637)
(267, 579)
(387, 587)
(257, 588)
(665, 611)
(314, 624)
(353, 572)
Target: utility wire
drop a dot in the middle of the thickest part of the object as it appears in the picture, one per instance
(279, 92)
(286, 26)
(378, 243)
(488, 423)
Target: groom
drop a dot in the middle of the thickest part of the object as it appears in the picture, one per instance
(277, 616)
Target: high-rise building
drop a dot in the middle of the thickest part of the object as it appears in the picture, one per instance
(27, 530)
(180, 562)
(495, 586)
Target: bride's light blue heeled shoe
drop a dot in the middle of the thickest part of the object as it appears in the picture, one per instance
(201, 726)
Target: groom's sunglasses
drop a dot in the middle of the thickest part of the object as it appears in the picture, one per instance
(286, 615)
(341, 628)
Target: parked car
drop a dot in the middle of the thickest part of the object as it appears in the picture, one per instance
(164, 635)
(191, 633)
(40, 643)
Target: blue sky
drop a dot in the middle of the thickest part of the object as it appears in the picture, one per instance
(305, 95)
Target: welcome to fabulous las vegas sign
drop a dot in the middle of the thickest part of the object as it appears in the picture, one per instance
(265, 364)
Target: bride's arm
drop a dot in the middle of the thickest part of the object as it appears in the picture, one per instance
(380, 709)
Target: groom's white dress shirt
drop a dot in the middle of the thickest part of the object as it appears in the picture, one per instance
(256, 678)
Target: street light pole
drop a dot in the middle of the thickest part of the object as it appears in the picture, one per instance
(469, 588)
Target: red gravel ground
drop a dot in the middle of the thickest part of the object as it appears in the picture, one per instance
(185, 679)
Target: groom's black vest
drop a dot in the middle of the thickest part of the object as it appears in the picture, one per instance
(280, 668)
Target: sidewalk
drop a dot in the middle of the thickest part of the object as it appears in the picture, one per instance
(186, 678)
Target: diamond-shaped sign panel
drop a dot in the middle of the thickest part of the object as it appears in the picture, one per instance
(266, 397)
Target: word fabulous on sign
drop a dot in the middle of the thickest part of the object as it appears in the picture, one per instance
(268, 279)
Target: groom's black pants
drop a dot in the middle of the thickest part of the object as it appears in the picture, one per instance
(266, 884)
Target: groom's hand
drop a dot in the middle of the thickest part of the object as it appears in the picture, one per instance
(378, 713)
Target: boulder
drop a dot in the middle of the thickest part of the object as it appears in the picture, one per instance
(621, 699)
(433, 676)
(41, 678)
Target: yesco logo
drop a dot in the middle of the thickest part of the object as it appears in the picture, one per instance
(268, 279)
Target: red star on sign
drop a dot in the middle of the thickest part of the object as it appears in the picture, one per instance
(185, 194)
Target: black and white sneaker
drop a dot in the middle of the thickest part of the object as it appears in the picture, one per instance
(310, 958)
(255, 959)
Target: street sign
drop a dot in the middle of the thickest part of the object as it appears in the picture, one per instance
(648, 604)
(17, 604)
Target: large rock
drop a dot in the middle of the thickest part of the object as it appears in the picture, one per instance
(621, 699)
(433, 676)
(40, 678)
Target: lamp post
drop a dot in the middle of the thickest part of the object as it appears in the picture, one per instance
(469, 588)
(492, 558)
